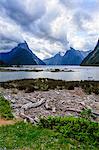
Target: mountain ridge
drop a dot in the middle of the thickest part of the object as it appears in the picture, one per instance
(20, 55)
(71, 57)
(93, 58)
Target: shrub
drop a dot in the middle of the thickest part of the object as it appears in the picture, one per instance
(5, 109)
(71, 87)
(96, 91)
(87, 114)
(77, 128)
(29, 89)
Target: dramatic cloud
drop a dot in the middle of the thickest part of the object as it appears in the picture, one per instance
(49, 26)
(23, 13)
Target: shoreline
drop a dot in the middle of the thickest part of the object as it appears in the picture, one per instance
(34, 70)
(34, 98)
(45, 84)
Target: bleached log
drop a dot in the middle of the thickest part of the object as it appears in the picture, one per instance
(95, 113)
(74, 110)
(33, 105)
(29, 119)
(14, 106)
(47, 107)
(54, 109)
(79, 111)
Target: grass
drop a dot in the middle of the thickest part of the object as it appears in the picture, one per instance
(25, 136)
(87, 114)
(5, 109)
(51, 134)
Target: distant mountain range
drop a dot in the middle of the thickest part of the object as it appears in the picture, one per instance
(93, 58)
(71, 57)
(20, 55)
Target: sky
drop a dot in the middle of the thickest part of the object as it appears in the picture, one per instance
(49, 26)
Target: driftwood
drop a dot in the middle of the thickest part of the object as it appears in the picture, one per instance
(16, 106)
(33, 105)
(29, 119)
(28, 106)
(71, 109)
(47, 107)
(97, 114)
(79, 111)
(54, 109)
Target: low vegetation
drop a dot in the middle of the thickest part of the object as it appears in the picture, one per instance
(52, 133)
(25, 136)
(30, 85)
(79, 129)
(87, 114)
(5, 109)
(61, 133)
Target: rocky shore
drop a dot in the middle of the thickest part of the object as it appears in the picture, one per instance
(52, 102)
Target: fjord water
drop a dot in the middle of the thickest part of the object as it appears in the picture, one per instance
(68, 73)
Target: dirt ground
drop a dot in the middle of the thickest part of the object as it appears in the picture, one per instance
(6, 122)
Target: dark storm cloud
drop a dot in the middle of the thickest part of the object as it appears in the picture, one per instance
(9, 38)
(32, 17)
(21, 13)
(46, 19)
(7, 45)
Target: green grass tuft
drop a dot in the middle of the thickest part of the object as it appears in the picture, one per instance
(53, 133)
(5, 109)
(25, 136)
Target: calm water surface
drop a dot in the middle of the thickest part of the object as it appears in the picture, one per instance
(78, 73)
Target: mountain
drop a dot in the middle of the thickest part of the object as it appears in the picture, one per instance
(20, 55)
(93, 58)
(85, 53)
(2, 63)
(71, 57)
(56, 60)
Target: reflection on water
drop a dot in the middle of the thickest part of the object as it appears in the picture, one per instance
(77, 73)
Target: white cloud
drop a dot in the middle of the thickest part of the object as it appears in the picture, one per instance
(47, 26)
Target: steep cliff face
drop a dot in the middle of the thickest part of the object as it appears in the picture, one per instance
(20, 55)
(93, 58)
